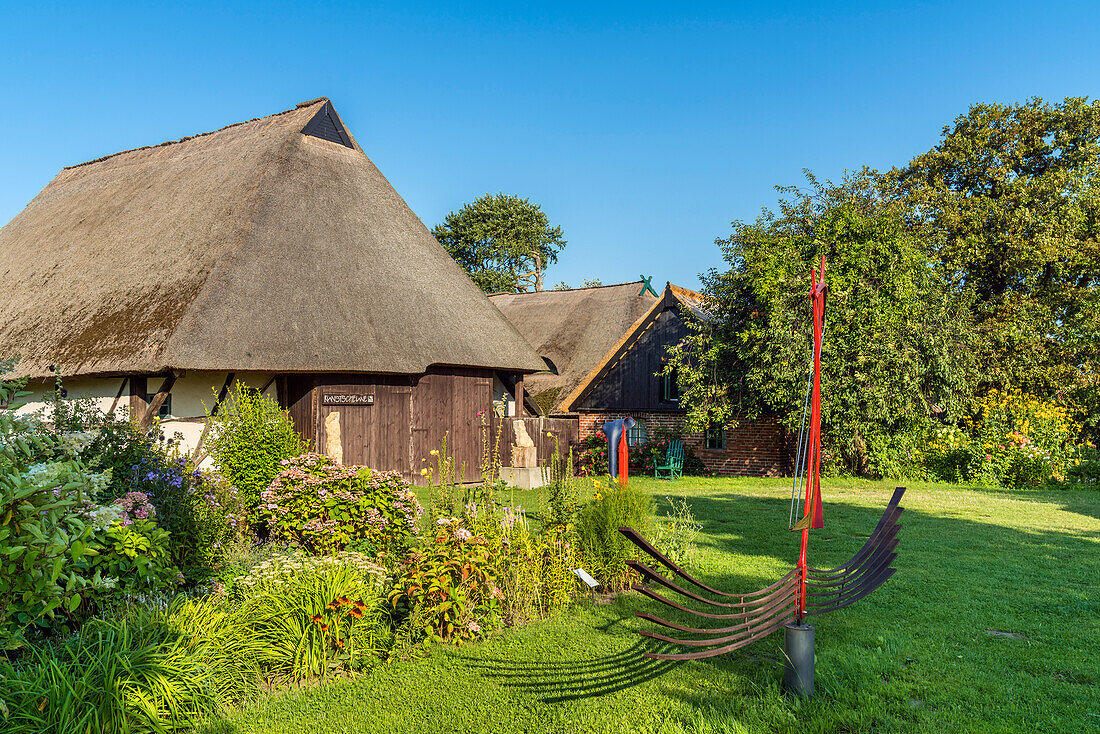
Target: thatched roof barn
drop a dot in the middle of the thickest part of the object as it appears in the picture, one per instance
(270, 245)
(271, 251)
(573, 329)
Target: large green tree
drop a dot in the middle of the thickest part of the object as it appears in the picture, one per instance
(898, 343)
(504, 242)
(1008, 204)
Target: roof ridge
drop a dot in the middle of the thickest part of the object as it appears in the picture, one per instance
(566, 290)
(197, 135)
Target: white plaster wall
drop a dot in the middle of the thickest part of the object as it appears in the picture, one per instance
(191, 393)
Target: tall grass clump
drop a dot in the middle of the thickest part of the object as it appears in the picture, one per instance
(598, 521)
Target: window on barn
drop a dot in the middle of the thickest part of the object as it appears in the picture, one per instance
(637, 435)
(670, 389)
(716, 437)
(166, 406)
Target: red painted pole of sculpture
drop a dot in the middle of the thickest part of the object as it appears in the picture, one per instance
(624, 461)
(813, 463)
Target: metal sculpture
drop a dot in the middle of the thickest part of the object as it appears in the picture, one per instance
(738, 620)
(618, 452)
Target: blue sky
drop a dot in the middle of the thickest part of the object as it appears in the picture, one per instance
(643, 129)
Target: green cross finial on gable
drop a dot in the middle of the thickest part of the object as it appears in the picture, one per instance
(647, 286)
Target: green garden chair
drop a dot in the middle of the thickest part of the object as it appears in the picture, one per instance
(673, 465)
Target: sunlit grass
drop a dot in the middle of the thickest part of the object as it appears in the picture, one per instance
(989, 625)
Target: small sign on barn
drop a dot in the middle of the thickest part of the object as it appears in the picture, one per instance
(338, 398)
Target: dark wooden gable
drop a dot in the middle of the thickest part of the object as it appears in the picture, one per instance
(629, 382)
(327, 126)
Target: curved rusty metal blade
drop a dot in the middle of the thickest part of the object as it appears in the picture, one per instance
(814, 592)
(872, 561)
(788, 593)
(885, 534)
(632, 535)
(699, 655)
(649, 573)
(889, 517)
(782, 608)
(841, 602)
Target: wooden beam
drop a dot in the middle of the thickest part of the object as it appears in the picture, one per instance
(118, 395)
(139, 385)
(267, 385)
(196, 454)
(222, 393)
(158, 400)
(519, 396)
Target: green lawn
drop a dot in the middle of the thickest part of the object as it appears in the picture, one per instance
(917, 655)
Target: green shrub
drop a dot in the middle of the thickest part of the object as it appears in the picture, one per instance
(533, 571)
(42, 535)
(323, 506)
(603, 547)
(132, 556)
(200, 510)
(1013, 440)
(446, 590)
(1083, 467)
(250, 436)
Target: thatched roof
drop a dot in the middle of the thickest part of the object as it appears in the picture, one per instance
(673, 297)
(271, 245)
(574, 329)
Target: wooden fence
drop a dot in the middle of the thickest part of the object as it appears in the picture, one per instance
(567, 431)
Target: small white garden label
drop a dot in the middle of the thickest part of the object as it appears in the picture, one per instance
(586, 577)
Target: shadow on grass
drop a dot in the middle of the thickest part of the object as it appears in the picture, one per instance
(568, 680)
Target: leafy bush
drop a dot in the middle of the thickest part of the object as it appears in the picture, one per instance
(1083, 467)
(250, 436)
(42, 535)
(201, 510)
(534, 571)
(592, 459)
(1013, 440)
(323, 506)
(605, 549)
(447, 591)
(130, 555)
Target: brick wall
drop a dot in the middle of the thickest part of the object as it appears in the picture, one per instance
(756, 449)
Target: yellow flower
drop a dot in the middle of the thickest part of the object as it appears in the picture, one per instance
(434, 452)
(423, 472)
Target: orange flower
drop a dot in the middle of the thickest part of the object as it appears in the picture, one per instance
(324, 628)
(340, 644)
(342, 600)
(330, 605)
(357, 613)
(316, 619)
(360, 605)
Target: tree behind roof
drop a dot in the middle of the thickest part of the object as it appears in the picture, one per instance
(504, 242)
